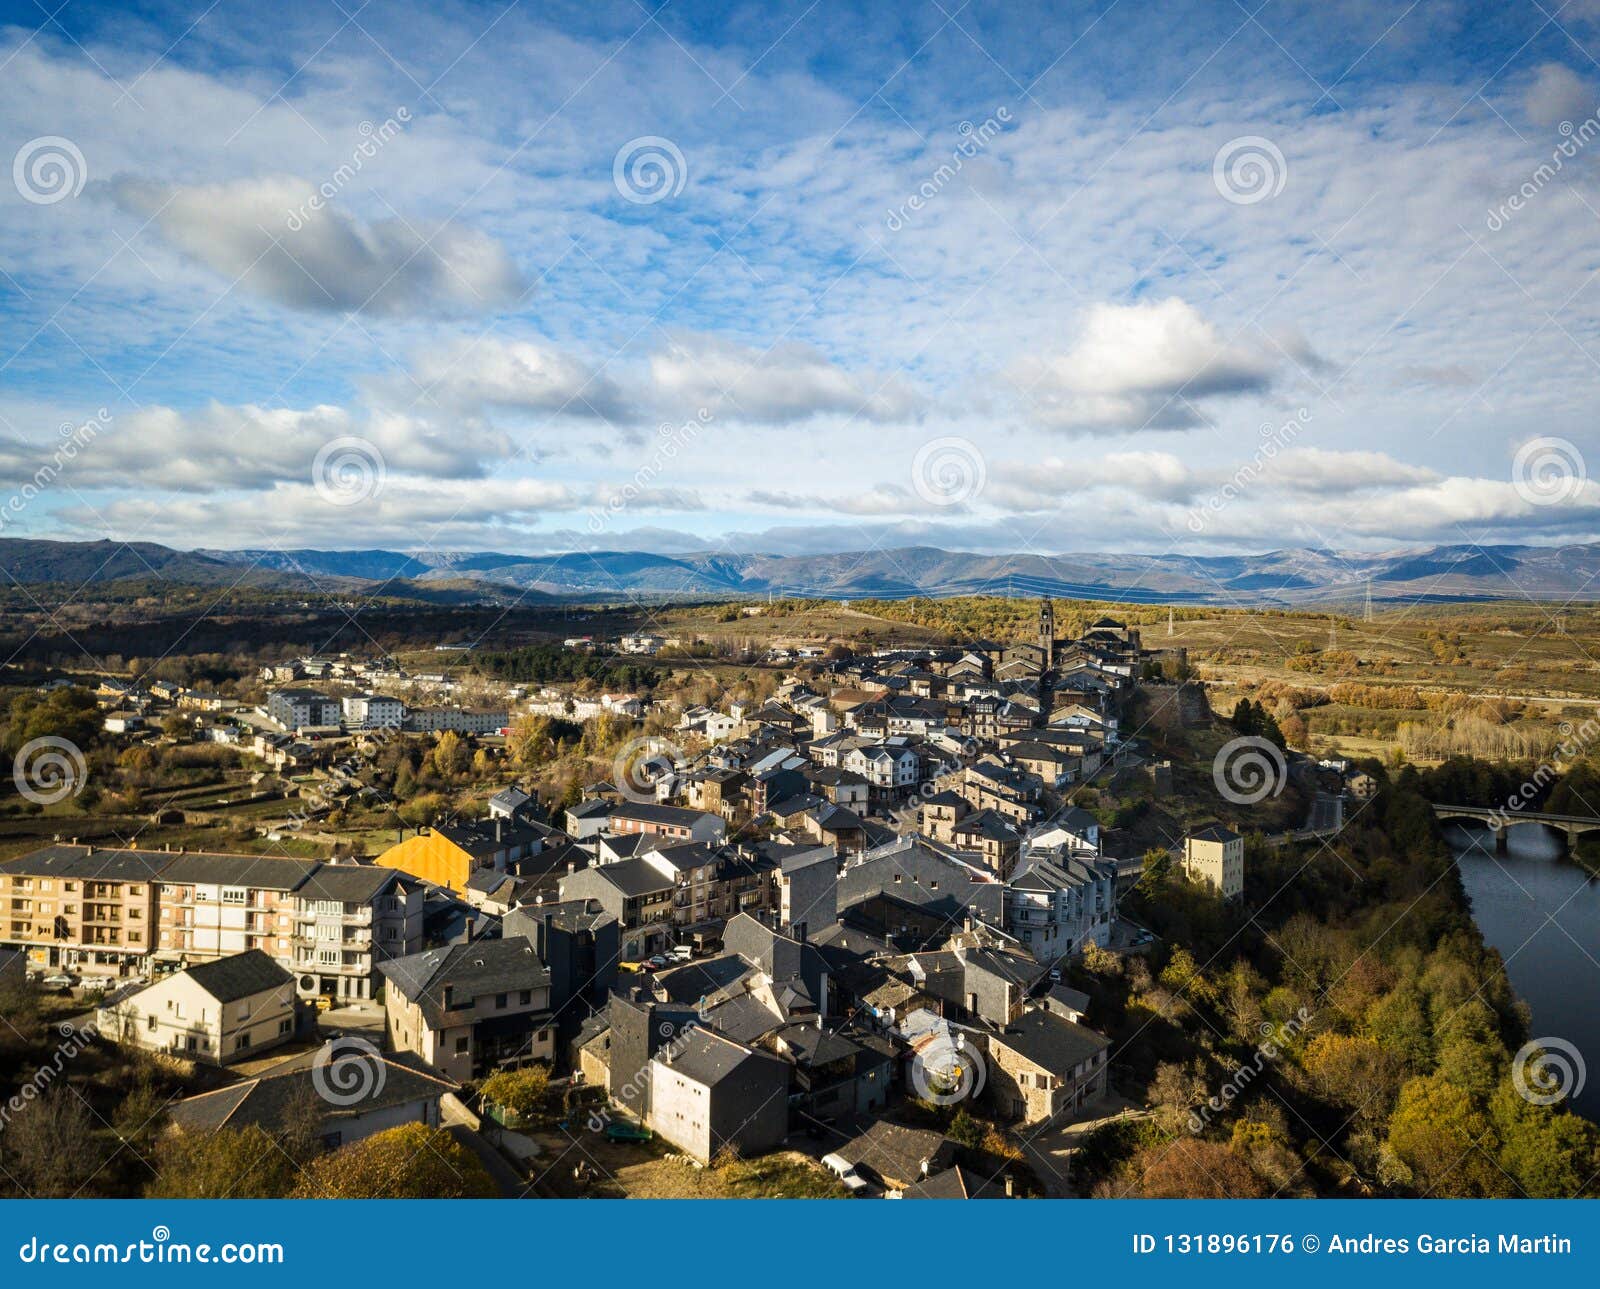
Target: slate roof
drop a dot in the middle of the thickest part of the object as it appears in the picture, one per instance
(635, 877)
(348, 883)
(1214, 832)
(710, 1059)
(1051, 1042)
(264, 871)
(647, 812)
(895, 1152)
(469, 970)
(265, 1101)
(239, 976)
(92, 863)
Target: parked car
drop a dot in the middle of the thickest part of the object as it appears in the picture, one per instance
(683, 953)
(658, 959)
(846, 1172)
(59, 981)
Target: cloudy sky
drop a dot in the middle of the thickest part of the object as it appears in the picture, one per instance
(786, 277)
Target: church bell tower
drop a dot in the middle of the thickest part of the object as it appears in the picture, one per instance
(1047, 632)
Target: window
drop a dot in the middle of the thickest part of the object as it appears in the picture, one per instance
(328, 957)
(500, 1002)
(525, 998)
(284, 1026)
(462, 1044)
(233, 894)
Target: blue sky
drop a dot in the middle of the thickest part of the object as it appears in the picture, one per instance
(1202, 277)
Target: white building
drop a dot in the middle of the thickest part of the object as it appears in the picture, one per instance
(459, 720)
(217, 1012)
(372, 712)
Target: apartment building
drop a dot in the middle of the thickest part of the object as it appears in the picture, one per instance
(295, 709)
(328, 924)
(86, 909)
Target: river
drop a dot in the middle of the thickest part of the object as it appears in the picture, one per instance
(1543, 913)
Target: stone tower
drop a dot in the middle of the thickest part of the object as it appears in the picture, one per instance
(1047, 632)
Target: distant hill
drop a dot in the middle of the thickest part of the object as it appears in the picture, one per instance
(1284, 577)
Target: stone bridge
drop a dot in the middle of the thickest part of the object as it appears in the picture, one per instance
(1574, 826)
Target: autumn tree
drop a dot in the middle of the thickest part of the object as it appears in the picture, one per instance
(413, 1161)
(1185, 1168)
(230, 1163)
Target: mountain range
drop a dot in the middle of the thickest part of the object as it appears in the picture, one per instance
(1283, 577)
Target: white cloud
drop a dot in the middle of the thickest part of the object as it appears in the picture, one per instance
(278, 239)
(518, 375)
(1558, 94)
(1139, 366)
(787, 383)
